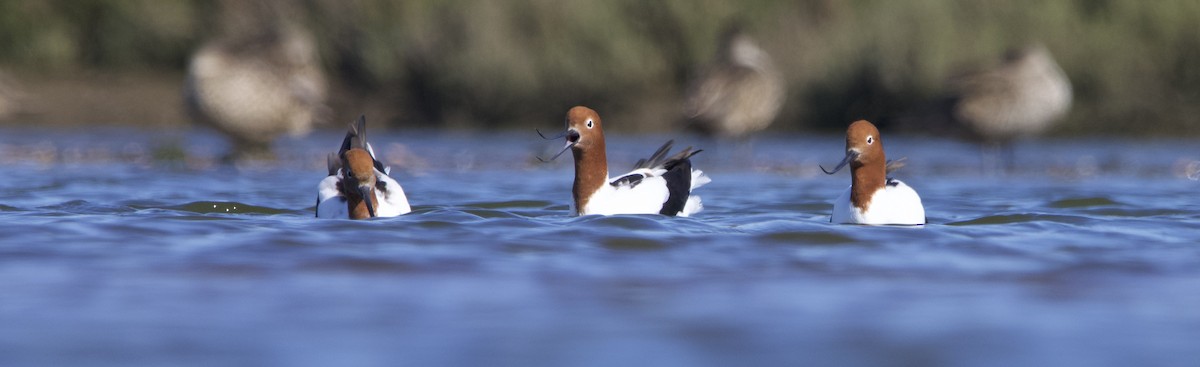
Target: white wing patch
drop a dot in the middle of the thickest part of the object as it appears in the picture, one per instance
(332, 204)
(393, 202)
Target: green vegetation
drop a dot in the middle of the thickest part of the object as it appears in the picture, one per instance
(1135, 65)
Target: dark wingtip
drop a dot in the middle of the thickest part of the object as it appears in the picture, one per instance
(895, 165)
(659, 157)
(686, 153)
(356, 135)
(360, 127)
(333, 163)
(666, 147)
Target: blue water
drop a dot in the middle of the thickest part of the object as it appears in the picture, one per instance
(120, 249)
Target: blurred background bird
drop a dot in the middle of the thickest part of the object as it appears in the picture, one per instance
(496, 65)
(739, 94)
(10, 97)
(257, 79)
(1023, 96)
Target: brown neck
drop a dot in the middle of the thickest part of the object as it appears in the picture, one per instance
(867, 180)
(591, 170)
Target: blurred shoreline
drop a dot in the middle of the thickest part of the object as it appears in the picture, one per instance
(515, 64)
(136, 99)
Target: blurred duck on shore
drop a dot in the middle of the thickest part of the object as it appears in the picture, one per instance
(257, 79)
(739, 94)
(1023, 96)
(10, 97)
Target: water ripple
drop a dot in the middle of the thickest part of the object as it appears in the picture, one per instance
(225, 207)
(1023, 218)
(490, 266)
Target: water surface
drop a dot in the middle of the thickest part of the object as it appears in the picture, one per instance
(121, 249)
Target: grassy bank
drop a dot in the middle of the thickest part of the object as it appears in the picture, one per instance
(1135, 65)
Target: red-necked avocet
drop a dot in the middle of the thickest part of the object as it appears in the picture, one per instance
(873, 198)
(358, 185)
(661, 184)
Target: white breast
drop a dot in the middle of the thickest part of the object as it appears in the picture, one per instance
(893, 204)
(332, 204)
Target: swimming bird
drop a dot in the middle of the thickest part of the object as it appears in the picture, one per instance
(1023, 96)
(873, 198)
(256, 81)
(358, 185)
(661, 184)
(739, 94)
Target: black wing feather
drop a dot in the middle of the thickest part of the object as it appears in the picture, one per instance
(679, 184)
(356, 137)
(678, 175)
(631, 180)
(656, 158)
(334, 163)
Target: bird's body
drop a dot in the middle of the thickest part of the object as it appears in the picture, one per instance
(1024, 96)
(739, 94)
(895, 203)
(655, 187)
(661, 184)
(256, 82)
(358, 185)
(872, 197)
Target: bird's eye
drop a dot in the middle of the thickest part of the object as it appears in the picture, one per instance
(589, 123)
(870, 140)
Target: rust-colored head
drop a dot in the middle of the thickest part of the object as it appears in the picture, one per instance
(864, 149)
(358, 169)
(868, 164)
(584, 129)
(583, 133)
(862, 138)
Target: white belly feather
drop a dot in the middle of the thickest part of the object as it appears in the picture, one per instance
(332, 204)
(647, 197)
(893, 204)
